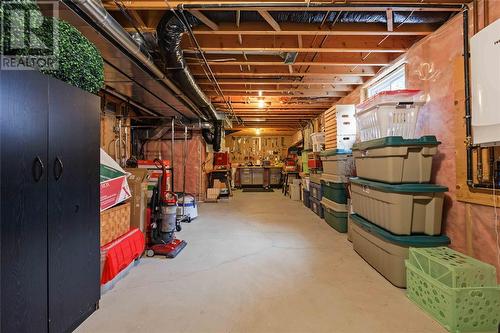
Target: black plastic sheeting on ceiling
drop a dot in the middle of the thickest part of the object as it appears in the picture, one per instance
(319, 16)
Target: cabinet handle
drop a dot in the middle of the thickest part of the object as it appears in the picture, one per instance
(58, 168)
(37, 169)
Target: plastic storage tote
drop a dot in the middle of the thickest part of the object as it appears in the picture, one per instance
(389, 113)
(387, 252)
(334, 188)
(316, 206)
(346, 142)
(463, 298)
(304, 160)
(335, 215)
(315, 178)
(306, 198)
(402, 209)
(318, 141)
(396, 160)
(337, 162)
(316, 191)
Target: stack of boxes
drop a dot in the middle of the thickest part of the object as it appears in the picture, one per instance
(395, 206)
(337, 166)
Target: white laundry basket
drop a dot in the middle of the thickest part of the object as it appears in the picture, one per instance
(389, 113)
(190, 206)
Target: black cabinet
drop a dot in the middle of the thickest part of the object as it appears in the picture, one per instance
(49, 227)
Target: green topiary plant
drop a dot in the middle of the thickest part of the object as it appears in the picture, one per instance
(79, 62)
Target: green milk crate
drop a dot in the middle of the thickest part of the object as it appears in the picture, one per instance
(459, 292)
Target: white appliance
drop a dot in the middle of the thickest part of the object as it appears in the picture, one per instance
(485, 74)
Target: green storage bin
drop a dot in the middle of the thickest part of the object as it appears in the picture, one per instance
(335, 215)
(385, 251)
(469, 309)
(396, 160)
(403, 209)
(334, 188)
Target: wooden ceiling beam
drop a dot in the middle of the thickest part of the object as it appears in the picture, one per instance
(210, 49)
(265, 91)
(308, 82)
(298, 63)
(269, 19)
(390, 20)
(311, 29)
(407, 6)
(280, 74)
(352, 71)
(208, 22)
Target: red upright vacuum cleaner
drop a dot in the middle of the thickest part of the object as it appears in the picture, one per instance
(164, 222)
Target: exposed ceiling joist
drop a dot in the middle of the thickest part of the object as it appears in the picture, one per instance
(280, 74)
(200, 16)
(310, 29)
(256, 81)
(390, 20)
(270, 20)
(406, 6)
(211, 49)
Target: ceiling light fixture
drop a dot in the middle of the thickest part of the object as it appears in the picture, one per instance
(257, 131)
(261, 104)
(260, 93)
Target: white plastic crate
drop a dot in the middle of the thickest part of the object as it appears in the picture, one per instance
(389, 113)
(318, 138)
(345, 141)
(346, 122)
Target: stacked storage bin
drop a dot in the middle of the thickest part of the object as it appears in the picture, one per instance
(394, 205)
(337, 166)
(316, 194)
(305, 192)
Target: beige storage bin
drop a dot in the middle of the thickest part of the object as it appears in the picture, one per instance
(386, 252)
(395, 160)
(337, 162)
(402, 209)
(315, 178)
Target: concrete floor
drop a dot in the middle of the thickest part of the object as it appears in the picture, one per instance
(258, 263)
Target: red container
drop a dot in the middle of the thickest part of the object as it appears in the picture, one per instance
(221, 159)
(290, 163)
(119, 253)
(314, 164)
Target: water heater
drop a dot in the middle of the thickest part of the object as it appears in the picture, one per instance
(485, 75)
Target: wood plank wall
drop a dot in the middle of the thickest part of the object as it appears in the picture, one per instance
(331, 128)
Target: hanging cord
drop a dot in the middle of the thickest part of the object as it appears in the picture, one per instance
(496, 220)
(385, 38)
(206, 68)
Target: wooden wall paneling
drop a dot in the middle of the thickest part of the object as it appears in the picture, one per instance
(331, 128)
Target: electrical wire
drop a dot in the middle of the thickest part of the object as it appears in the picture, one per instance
(496, 220)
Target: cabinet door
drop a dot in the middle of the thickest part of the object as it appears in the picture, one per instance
(74, 253)
(23, 223)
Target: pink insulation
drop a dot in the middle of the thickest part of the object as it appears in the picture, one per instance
(430, 67)
(196, 154)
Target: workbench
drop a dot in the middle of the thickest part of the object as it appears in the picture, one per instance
(255, 176)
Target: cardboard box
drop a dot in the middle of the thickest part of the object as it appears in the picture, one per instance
(212, 194)
(113, 182)
(138, 181)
